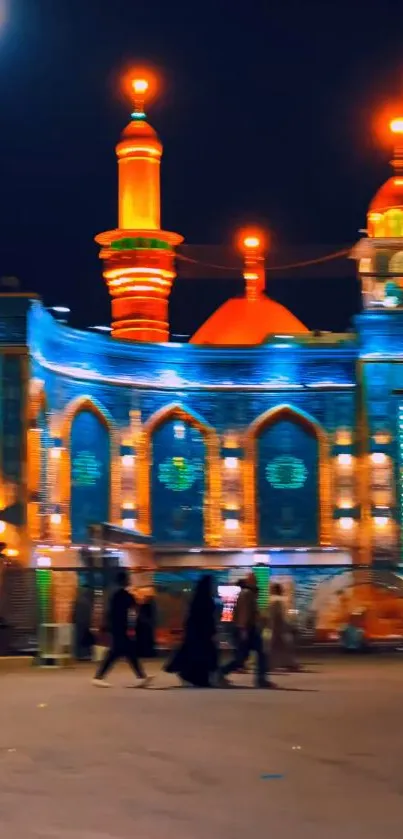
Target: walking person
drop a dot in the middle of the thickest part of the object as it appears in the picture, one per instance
(121, 625)
(282, 646)
(195, 661)
(249, 633)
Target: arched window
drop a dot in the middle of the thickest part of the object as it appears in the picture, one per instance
(178, 482)
(287, 482)
(90, 464)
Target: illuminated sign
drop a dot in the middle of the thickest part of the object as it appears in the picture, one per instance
(86, 469)
(286, 472)
(178, 473)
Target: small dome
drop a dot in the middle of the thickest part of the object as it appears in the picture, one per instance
(243, 322)
(388, 197)
(137, 132)
(139, 128)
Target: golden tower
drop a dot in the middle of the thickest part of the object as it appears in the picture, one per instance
(139, 257)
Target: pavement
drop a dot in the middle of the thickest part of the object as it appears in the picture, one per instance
(321, 757)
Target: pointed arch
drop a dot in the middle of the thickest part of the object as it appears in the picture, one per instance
(83, 403)
(212, 499)
(77, 406)
(269, 417)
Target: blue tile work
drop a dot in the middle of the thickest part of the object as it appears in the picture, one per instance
(226, 388)
(208, 381)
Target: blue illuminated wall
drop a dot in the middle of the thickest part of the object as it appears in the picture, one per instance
(44, 450)
(287, 484)
(90, 473)
(178, 484)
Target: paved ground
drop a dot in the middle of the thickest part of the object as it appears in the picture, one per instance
(174, 763)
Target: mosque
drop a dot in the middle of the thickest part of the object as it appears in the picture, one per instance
(257, 443)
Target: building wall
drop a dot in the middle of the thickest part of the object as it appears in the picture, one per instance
(227, 397)
(14, 380)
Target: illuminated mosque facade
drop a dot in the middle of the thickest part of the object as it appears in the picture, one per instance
(256, 439)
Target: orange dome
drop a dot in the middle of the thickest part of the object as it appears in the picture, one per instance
(139, 128)
(388, 197)
(243, 322)
(136, 134)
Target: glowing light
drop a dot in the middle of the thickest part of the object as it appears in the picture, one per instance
(124, 151)
(2, 526)
(140, 85)
(43, 562)
(129, 524)
(346, 523)
(231, 524)
(61, 310)
(343, 437)
(378, 458)
(251, 242)
(396, 125)
(56, 518)
(286, 472)
(55, 452)
(170, 378)
(346, 504)
(179, 430)
(11, 552)
(381, 521)
(344, 459)
(128, 460)
(102, 328)
(231, 462)
(128, 505)
(178, 473)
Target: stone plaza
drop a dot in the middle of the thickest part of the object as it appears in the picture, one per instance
(321, 757)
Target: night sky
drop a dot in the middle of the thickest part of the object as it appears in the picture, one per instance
(267, 116)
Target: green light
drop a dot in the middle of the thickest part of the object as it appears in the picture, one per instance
(43, 579)
(137, 243)
(178, 473)
(286, 472)
(86, 469)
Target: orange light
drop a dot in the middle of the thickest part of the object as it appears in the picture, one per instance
(396, 125)
(140, 85)
(139, 81)
(252, 242)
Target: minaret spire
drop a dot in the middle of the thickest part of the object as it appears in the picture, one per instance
(254, 265)
(139, 257)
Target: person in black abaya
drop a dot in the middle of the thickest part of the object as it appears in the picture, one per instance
(195, 661)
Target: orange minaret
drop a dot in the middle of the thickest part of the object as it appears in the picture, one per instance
(252, 247)
(139, 257)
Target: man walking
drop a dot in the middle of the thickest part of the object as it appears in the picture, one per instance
(247, 623)
(121, 618)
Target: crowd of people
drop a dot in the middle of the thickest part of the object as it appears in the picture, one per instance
(197, 660)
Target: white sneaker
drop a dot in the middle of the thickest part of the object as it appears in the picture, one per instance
(100, 683)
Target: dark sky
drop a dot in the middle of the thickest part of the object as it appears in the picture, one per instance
(267, 116)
